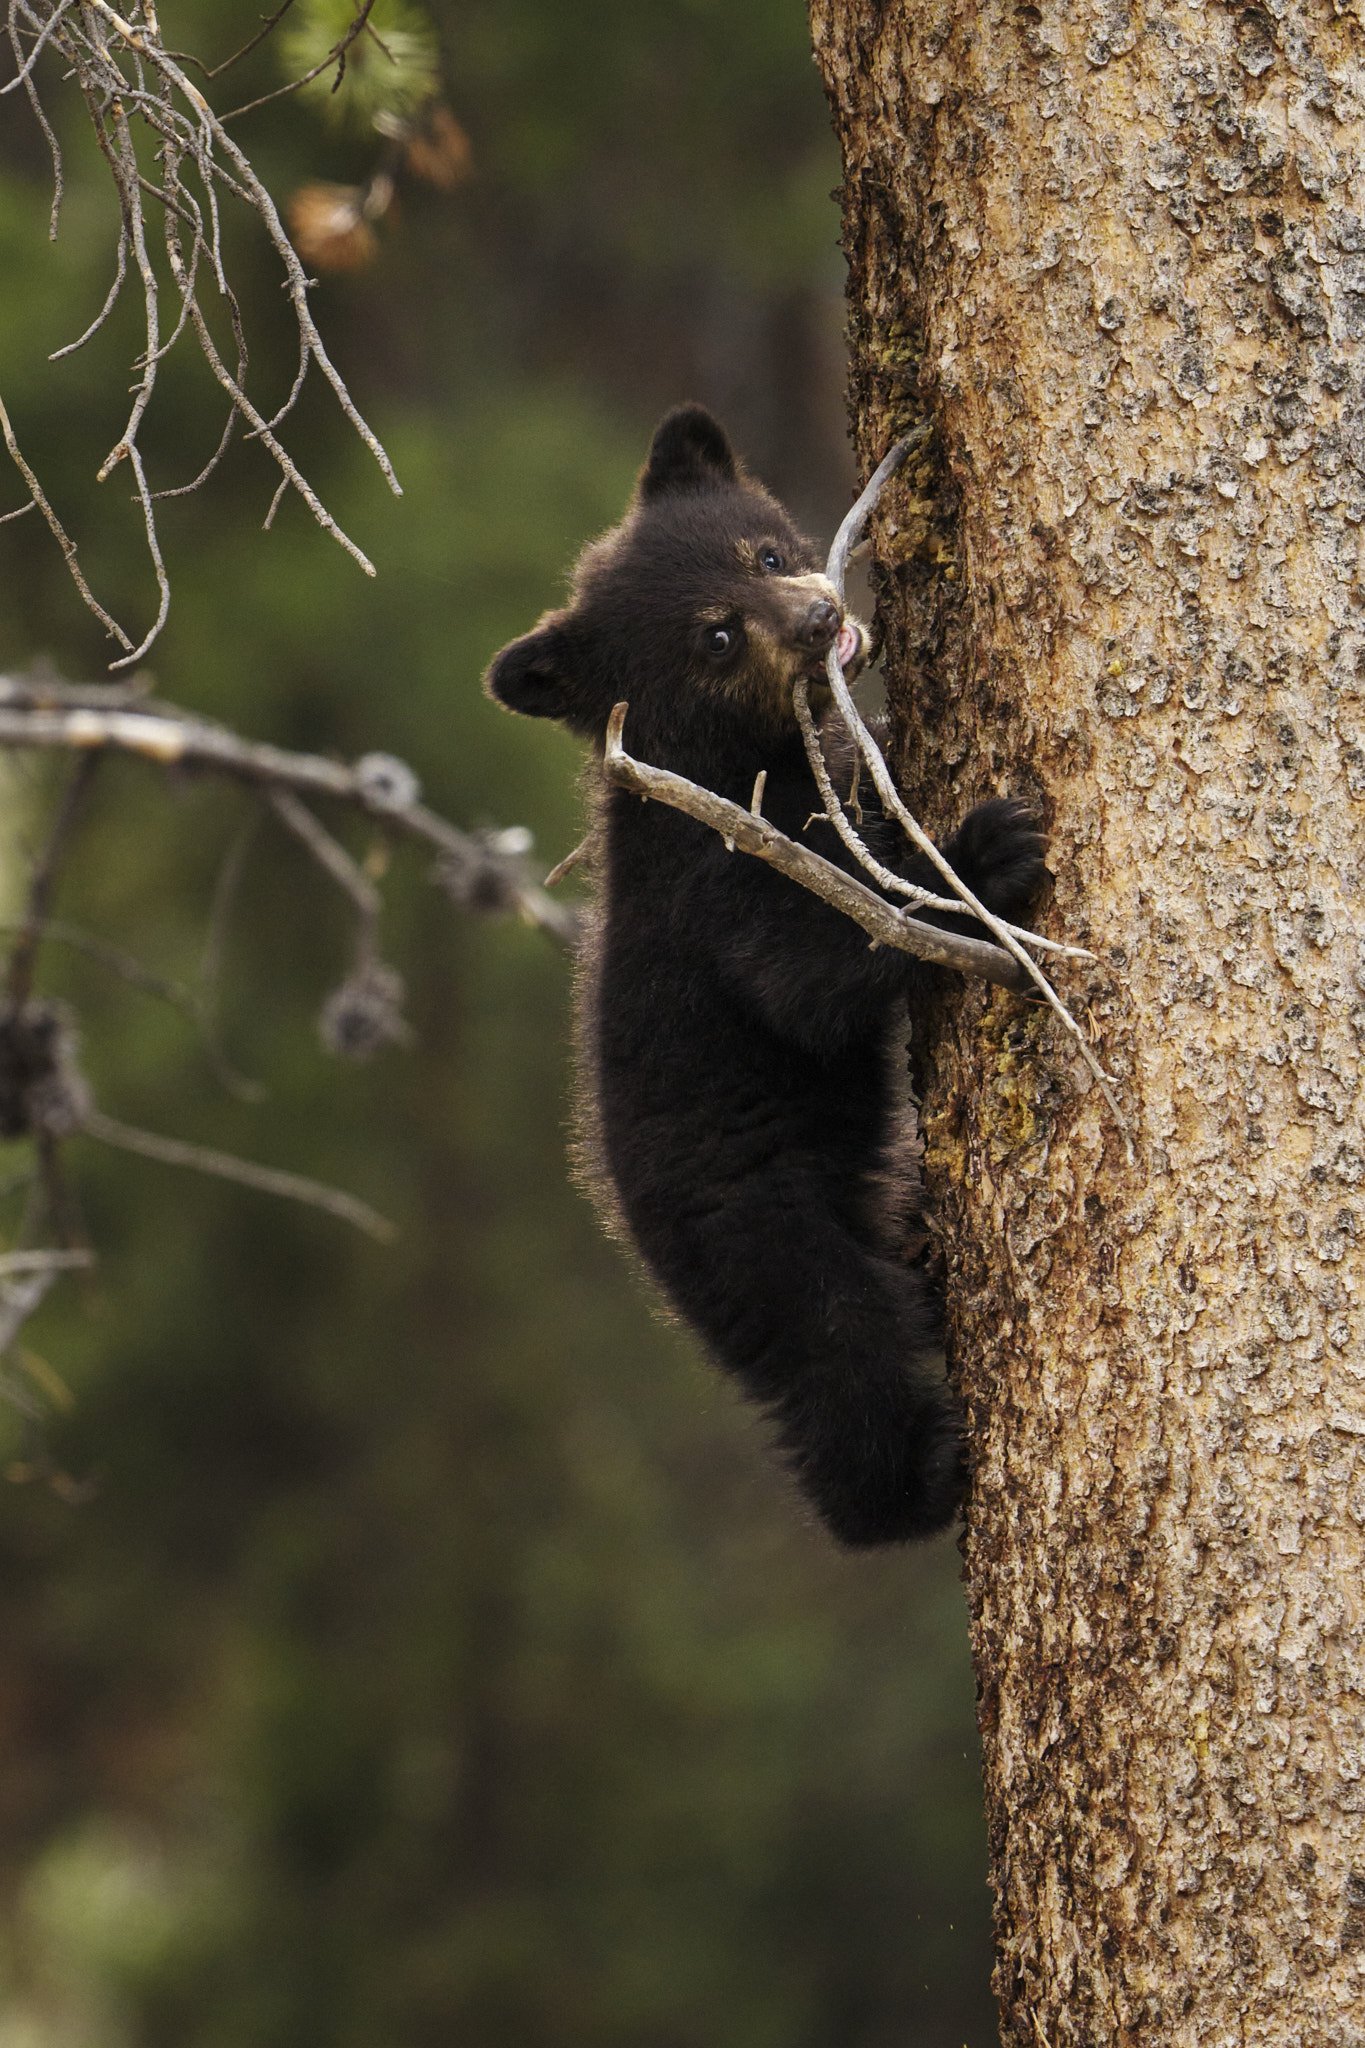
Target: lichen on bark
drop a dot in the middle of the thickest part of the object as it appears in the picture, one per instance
(1118, 254)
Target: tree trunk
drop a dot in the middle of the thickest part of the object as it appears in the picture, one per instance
(1117, 256)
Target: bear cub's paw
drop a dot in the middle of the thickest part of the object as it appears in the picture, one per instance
(998, 851)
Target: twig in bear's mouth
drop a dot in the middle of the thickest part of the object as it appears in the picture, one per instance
(845, 540)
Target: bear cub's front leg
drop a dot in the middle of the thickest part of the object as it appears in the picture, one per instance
(998, 851)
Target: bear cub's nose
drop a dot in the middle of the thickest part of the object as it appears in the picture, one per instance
(818, 628)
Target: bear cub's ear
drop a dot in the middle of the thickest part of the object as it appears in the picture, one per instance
(689, 452)
(531, 675)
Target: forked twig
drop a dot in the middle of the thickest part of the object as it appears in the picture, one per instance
(1007, 962)
(58, 531)
(895, 885)
(836, 569)
(752, 833)
(54, 717)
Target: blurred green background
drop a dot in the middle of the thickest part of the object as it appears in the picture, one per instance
(417, 1646)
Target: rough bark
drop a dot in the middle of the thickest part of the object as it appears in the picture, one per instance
(1119, 256)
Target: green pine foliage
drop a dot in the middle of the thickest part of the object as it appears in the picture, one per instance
(383, 74)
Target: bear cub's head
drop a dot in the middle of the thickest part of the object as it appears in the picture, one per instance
(701, 608)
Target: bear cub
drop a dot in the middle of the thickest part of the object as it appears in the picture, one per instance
(738, 1036)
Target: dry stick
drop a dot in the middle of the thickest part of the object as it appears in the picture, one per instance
(570, 861)
(59, 533)
(895, 885)
(120, 272)
(296, 277)
(844, 542)
(54, 148)
(268, 1180)
(188, 300)
(263, 433)
(269, 23)
(115, 88)
(918, 898)
(24, 953)
(751, 833)
(123, 162)
(332, 857)
(26, 64)
(163, 582)
(174, 740)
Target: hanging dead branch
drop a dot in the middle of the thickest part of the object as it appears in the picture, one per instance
(484, 871)
(44, 1096)
(173, 164)
(178, 174)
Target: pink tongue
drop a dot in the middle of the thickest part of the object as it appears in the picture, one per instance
(846, 646)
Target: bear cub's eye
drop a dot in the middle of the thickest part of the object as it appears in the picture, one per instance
(771, 560)
(720, 641)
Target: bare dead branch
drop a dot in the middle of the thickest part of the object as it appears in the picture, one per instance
(749, 833)
(895, 885)
(269, 23)
(45, 126)
(570, 861)
(42, 880)
(130, 83)
(267, 1180)
(59, 533)
(26, 64)
(120, 272)
(384, 788)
